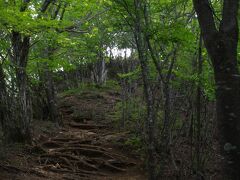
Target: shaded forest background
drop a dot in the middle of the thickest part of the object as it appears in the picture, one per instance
(173, 64)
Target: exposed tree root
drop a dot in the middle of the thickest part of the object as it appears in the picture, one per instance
(78, 157)
(38, 149)
(82, 159)
(112, 167)
(69, 160)
(51, 144)
(82, 173)
(74, 154)
(39, 174)
(77, 152)
(11, 169)
(86, 126)
(71, 140)
(16, 170)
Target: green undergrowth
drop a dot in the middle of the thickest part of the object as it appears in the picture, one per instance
(136, 143)
(129, 117)
(108, 87)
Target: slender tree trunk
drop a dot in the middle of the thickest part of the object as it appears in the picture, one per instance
(50, 94)
(99, 70)
(166, 122)
(199, 106)
(49, 87)
(143, 57)
(2, 98)
(4, 107)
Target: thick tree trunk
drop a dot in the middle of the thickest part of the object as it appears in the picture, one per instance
(222, 48)
(21, 45)
(228, 109)
(20, 123)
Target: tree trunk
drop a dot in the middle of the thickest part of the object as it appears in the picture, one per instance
(20, 129)
(4, 106)
(50, 94)
(199, 108)
(222, 47)
(167, 120)
(150, 120)
(228, 109)
(49, 87)
(99, 70)
(21, 45)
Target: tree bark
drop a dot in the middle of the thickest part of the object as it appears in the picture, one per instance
(20, 122)
(50, 94)
(21, 47)
(4, 105)
(150, 120)
(222, 48)
(199, 107)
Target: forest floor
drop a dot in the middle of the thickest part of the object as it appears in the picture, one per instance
(86, 147)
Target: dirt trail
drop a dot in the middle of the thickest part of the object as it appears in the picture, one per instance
(84, 148)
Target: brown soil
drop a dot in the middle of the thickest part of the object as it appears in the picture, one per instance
(83, 148)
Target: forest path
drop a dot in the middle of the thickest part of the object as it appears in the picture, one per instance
(84, 148)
